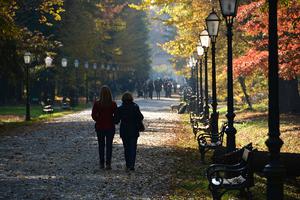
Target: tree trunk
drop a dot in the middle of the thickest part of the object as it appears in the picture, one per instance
(289, 100)
(241, 80)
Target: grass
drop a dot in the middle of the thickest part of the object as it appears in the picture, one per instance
(14, 116)
(252, 125)
(190, 181)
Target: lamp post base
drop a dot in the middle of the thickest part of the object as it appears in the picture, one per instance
(214, 128)
(274, 173)
(230, 142)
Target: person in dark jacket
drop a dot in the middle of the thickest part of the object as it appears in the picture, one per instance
(103, 114)
(131, 117)
(150, 88)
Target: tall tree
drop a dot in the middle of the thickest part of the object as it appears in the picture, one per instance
(253, 19)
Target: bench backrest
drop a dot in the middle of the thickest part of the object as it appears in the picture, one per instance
(222, 131)
(245, 155)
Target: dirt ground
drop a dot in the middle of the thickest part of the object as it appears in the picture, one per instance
(59, 159)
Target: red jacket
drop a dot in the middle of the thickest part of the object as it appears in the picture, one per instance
(103, 116)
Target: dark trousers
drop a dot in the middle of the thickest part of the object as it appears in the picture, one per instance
(158, 94)
(151, 94)
(105, 139)
(130, 145)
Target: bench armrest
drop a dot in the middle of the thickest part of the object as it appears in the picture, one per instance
(222, 170)
(224, 167)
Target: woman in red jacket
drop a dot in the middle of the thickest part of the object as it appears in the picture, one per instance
(103, 114)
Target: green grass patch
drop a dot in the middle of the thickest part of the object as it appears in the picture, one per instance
(14, 116)
(190, 181)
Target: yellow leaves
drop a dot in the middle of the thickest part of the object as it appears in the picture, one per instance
(51, 7)
(136, 7)
(43, 19)
(186, 16)
(57, 17)
(118, 51)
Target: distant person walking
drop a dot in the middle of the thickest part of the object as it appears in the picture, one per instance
(131, 117)
(145, 90)
(158, 87)
(150, 89)
(103, 114)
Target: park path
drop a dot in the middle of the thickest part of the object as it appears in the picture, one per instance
(59, 159)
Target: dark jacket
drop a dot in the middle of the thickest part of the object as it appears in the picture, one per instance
(130, 116)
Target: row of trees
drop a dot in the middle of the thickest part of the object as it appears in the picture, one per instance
(103, 32)
(249, 42)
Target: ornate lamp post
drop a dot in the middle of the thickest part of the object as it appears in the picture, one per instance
(274, 171)
(108, 68)
(48, 61)
(95, 75)
(76, 65)
(64, 64)
(48, 64)
(212, 23)
(191, 65)
(114, 71)
(229, 10)
(86, 66)
(205, 42)
(27, 61)
(200, 52)
(195, 64)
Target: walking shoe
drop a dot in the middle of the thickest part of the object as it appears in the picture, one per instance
(131, 169)
(108, 167)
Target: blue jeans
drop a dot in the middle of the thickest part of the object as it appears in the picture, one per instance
(130, 146)
(105, 139)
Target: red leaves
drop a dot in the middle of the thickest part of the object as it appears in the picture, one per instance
(251, 61)
(253, 20)
(110, 10)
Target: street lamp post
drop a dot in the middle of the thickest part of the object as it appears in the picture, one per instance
(205, 42)
(103, 73)
(64, 63)
(212, 23)
(114, 79)
(48, 64)
(86, 66)
(229, 10)
(274, 171)
(191, 65)
(95, 75)
(76, 65)
(27, 61)
(114, 71)
(200, 52)
(196, 65)
(48, 61)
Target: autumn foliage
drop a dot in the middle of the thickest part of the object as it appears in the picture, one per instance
(253, 22)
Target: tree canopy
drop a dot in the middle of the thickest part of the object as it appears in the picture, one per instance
(253, 20)
(103, 32)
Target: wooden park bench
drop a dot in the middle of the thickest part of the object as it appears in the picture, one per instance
(237, 176)
(65, 105)
(206, 141)
(47, 108)
(198, 122)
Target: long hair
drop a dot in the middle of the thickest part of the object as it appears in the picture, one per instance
(105, 96)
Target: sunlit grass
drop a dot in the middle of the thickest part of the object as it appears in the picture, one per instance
(12, 116)
(191, 182)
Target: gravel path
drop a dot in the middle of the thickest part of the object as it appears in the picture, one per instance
(59, 159)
